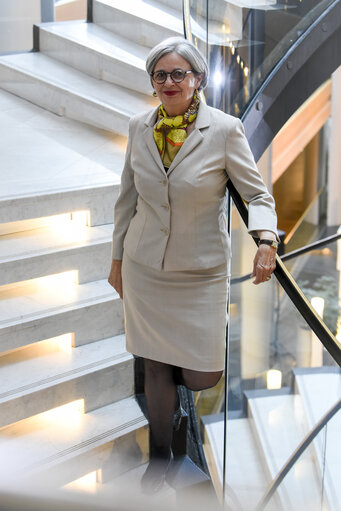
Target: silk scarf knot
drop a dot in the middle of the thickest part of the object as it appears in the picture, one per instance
(170, 132)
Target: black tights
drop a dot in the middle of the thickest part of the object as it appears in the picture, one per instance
(160, 391)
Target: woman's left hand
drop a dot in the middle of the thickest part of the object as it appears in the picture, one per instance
(264, 263)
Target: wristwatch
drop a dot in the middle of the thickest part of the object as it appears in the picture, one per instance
(271, 243)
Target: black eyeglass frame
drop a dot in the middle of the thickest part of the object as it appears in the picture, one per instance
(184, 73)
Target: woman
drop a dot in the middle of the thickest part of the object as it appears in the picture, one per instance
(171, 250)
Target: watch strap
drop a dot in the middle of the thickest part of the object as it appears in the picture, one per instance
(271, 243)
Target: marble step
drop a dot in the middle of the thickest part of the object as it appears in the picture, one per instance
(47, 199)
(145, 23)
(245, 476)
(97, 52)
(44, 308)
(279, 424)
(320, 389)
(49, 450)
(51, 250)
(66, 91)
(62, 165)
(45, 376)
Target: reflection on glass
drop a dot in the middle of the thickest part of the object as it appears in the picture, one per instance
(243, 40)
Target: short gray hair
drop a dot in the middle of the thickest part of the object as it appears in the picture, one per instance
(183, 48)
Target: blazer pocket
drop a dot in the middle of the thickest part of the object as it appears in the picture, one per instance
(134, 232)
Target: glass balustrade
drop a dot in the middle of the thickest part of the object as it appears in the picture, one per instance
(244, 40)
(312, 482)
(280, 379)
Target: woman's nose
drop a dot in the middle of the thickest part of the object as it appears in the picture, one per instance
(169, 81)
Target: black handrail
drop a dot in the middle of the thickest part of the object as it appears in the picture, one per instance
(296, 455)
(294, 292)
(311, 246)
(295, 253)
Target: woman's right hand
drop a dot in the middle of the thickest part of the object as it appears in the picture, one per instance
(115, 276)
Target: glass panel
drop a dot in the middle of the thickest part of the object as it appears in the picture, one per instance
(318, 275)
(244, 40)
(280, 382)
(313, 482)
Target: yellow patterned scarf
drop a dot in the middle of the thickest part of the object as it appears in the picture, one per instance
(170, 132)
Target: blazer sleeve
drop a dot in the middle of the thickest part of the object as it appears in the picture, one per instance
(125, 207)
(243, 172)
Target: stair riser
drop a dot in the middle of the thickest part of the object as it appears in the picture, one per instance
(89, 323)
(144, 32)
(92, 263)
(99, 201)
(62, 102)
(98, 388)
(94, 63)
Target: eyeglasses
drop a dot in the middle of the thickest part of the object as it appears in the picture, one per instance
(177, 75)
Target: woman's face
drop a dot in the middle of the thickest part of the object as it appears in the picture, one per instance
(176, 97)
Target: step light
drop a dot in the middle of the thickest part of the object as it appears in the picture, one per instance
(62, 343)
(273, 379)
(60, 284)
(71, 227)
(67, 418)
(87, 483)
(74, 219)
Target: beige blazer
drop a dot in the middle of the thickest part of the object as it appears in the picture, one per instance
(177, 220)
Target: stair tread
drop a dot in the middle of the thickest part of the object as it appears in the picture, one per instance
(106, 95)
(281, 426)
(319, 391)
(149, 11)
(38, 367)
(57, 154)
(100, 40)
(37, 443)
(248, 484)
(25, 302)
(47, 240)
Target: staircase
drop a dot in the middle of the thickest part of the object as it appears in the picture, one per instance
(67, 406)
(259, 444)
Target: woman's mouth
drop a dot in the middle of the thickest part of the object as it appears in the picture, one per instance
(170, 92)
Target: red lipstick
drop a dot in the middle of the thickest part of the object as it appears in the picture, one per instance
(170, 92)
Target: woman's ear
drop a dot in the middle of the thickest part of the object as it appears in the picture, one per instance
(198, 80)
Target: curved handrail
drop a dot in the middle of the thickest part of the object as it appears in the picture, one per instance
(294, 253)
(294, 292)
(296, 455)
(311, 246)
(264, 116)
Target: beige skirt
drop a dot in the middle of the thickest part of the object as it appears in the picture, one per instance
(176, 317)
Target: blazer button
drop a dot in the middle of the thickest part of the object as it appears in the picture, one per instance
(165, 231)
(164, 182)
(165, 205)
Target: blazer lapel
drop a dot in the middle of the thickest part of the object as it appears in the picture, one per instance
(148, 135)
(195, 138)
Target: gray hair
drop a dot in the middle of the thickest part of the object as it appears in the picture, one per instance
(183, 48)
